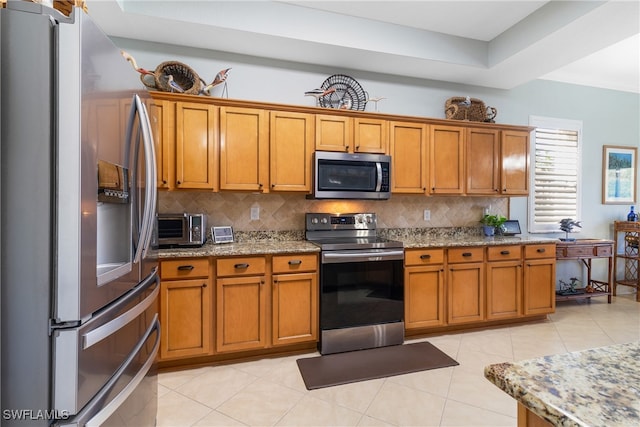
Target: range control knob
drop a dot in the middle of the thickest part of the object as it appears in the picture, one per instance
(314, 220)
(324, 220)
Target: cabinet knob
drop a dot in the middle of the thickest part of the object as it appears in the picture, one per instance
(241, 265)
(164, 182)
(204, 285)
(346, 148)
(425, 256)
(504, 252)
(504, 190)
(295, 262)
(541, 250)
(466, 254)
(185, 267)
(178, 182)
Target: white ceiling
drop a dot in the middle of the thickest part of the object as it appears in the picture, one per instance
(499, 44)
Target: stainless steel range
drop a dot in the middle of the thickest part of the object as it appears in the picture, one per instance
(361, 283)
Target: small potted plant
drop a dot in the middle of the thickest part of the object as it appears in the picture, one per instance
(491, 223)
(567, 225)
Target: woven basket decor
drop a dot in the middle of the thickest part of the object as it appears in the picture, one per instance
(182, 74)
(456, 109)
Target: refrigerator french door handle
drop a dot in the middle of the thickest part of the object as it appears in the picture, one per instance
(151, 192)
(114, 325)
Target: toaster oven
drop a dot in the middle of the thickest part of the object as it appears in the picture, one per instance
(181, 230)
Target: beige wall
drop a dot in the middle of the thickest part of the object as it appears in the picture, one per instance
(281, 212)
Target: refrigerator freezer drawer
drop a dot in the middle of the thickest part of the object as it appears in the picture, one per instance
(87, 358)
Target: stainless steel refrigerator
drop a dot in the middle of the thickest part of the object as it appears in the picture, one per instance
(79, 284)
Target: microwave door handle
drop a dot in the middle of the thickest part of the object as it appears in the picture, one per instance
(150, 198)
(379, 180)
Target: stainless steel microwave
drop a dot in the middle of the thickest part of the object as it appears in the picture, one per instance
(181, 230)
(351, 176)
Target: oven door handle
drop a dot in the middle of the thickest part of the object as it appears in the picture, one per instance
(335, 257)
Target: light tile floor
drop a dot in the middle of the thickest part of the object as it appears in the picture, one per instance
(270, 392)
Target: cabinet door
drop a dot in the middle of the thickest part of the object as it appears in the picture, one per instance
(244, 149)
(483, 161)
(465, 286)
(161, 114)
(424, 296)
(539, 286)
(334, 133)
(504, 290)
(240, 313)
(295, 308)
(515, 163)
(291, 144)
(409, 157)
(370, 136)
(446, 159)
(185, 316)
(196, 154)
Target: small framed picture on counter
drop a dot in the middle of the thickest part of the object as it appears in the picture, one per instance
(222, 234)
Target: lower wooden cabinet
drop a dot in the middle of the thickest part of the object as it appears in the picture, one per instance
(424, 288)
(247, 308)
(185, 309)
(504, 282)
(465, 285)
(539, 279)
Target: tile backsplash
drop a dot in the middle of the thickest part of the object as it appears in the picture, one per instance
(281, 212)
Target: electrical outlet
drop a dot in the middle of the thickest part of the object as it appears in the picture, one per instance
(255, 213)
(427, 215)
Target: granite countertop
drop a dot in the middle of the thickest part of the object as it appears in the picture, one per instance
(259, 247)
(274, 242)
(595, 387)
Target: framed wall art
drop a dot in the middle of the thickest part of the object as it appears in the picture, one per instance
(619, 174)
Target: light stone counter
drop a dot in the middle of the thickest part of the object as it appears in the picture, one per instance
(274, 242)
(598, 387)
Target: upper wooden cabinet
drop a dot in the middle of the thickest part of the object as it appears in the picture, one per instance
(514, 163)
(408, 146)
(446, 159)
(483, 161)
(244, 149)
(224, 144)
(291, 140)
(334, 133)
(186, 144)
(352, 135)
(196, 146)
(370, 136)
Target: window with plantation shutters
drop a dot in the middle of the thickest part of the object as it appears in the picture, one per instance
(555, 166)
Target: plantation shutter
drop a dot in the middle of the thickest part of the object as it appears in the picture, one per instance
(556, 170)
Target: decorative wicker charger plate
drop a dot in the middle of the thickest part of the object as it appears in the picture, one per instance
(347, 94)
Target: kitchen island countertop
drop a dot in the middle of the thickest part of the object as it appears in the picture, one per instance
(595, 387)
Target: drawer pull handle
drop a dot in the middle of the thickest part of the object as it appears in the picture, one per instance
(242, 265)
(425, 256)
(295, 262)
(541, 250)
(185, 267)
(467, 254)
(504, 252)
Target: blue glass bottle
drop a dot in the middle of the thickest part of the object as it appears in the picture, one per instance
(632, 216)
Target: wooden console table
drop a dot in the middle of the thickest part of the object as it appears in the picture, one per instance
(585, 250)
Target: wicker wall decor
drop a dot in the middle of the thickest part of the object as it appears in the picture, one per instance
(467, 108)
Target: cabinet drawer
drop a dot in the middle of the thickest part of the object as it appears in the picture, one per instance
(423, 256)
(184, 268)
(294, 263)
(603, 250)
(540, 251)
(465, 255)
(240, 266)
(504, 253)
